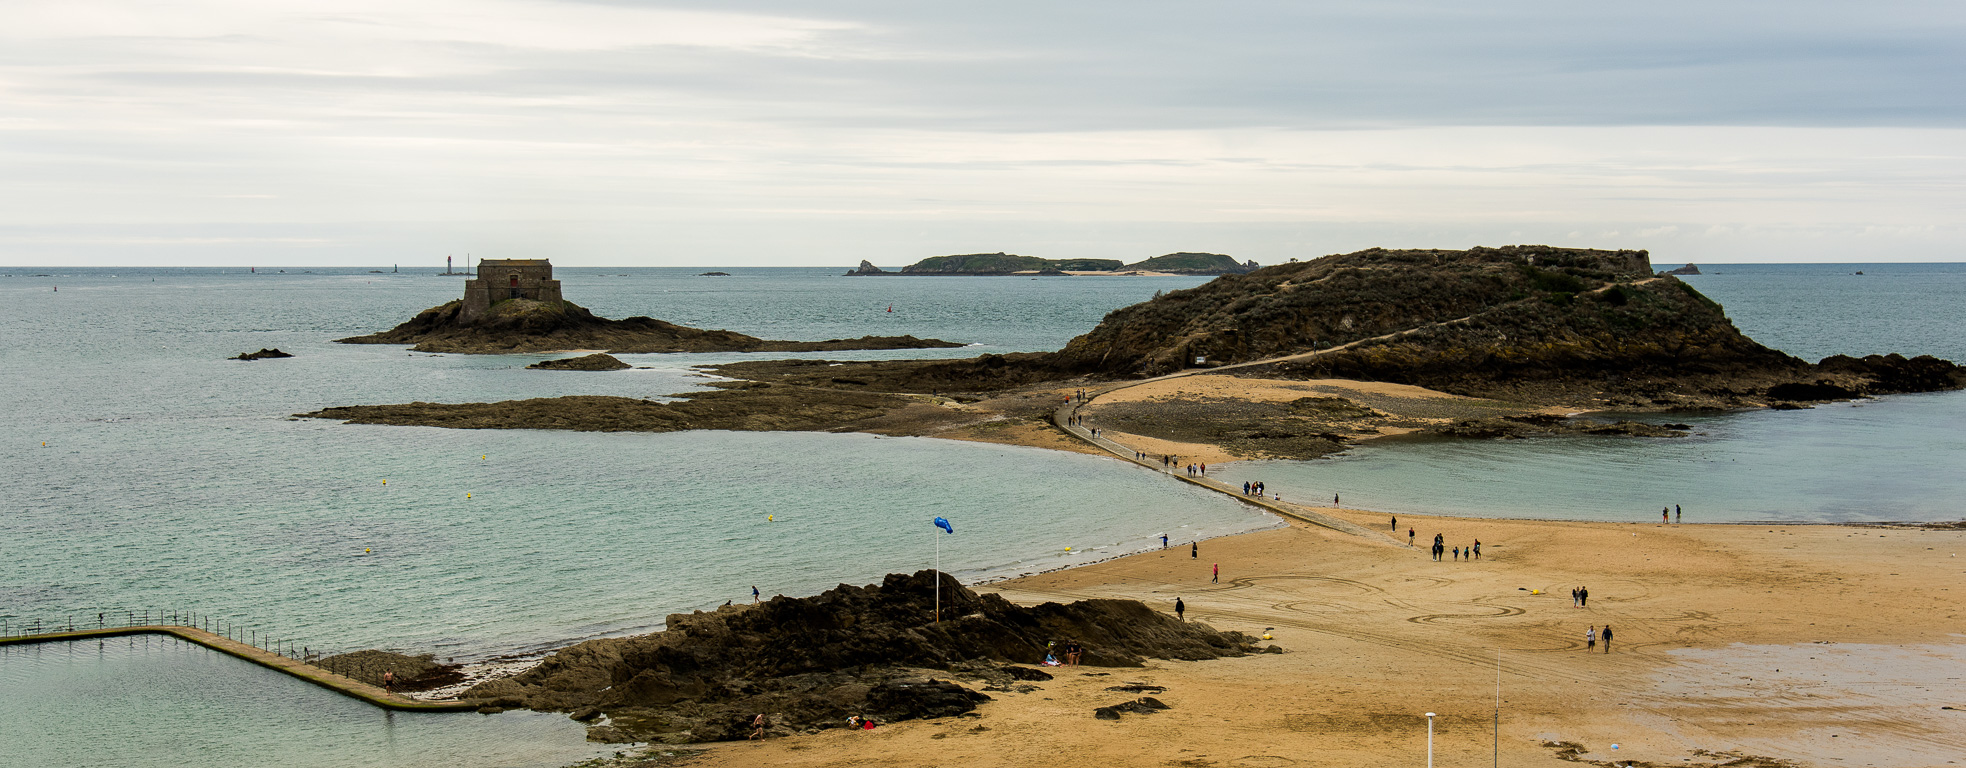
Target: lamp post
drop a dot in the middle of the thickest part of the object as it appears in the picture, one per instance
(1430, 740)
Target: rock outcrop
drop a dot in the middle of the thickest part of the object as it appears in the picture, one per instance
(599, 361)
(867, 268)
(812, 662)
(525, 325)
(1685, 270)
(263, 354)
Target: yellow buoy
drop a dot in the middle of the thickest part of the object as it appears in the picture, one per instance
(1068, 549)
(467, 495)
(366, 551)
(385, 482)
(771, 518)
(486, 456)
(1266, 636)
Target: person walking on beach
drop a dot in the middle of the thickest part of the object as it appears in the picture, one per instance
(1677, 514)
(1607, 638)
(1590, 639)
(388, 681)
(1409, 537)
(1180, 609)
(1457, 554)
(1395, 520)
(1583, 597)
(1573, 598)
(1194, 550)
(1665, 515)
(758, 726)
(1217, 578)
(1163, 541)
(1477, 549)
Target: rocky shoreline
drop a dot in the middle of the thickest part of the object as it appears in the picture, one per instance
(879, 651)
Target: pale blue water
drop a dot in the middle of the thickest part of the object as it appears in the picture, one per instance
(172, 479)
(77, 703)
(1898, 458)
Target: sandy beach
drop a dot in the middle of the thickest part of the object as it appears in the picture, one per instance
(1790, 645)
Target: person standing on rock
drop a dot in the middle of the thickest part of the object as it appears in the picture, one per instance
(1180, 609)
(754, 594)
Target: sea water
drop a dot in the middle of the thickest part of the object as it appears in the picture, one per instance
(157, 700)
(1895, 458)
(147, 473)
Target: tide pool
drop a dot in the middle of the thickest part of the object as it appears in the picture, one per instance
(154, 701)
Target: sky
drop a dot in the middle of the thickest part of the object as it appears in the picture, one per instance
(777, 133)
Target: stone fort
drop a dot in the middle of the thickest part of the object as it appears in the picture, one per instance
(501, 279)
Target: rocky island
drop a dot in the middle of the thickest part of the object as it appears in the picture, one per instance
(1003, 264)
(1299, 360)
(515, 306)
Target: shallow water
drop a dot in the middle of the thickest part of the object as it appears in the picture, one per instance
(156, 700)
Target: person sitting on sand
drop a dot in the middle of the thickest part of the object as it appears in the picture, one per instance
(1072, 651)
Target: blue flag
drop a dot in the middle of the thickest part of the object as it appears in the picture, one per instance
(943, 523)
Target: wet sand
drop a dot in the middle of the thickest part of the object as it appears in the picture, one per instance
(1862, 623)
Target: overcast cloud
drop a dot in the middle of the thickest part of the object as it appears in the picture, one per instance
(642, 133)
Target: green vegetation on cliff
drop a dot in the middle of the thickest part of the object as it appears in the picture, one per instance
(1003, 264)
(1194, 264)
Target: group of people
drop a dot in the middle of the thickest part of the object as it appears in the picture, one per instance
(1592, 635)
(1580, 597)
(1252, 489)
(1197, 469)
(1670, 514)
(1470, 552)
(1072, 652)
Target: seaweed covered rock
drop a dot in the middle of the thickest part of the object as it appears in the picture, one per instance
(599, 361)
(811, 662)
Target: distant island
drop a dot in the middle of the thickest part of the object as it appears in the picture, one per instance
(1001, 264)
(1685, 270)
(514, 305)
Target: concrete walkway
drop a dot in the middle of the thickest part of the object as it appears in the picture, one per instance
(343, 685)
(1062, 418)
